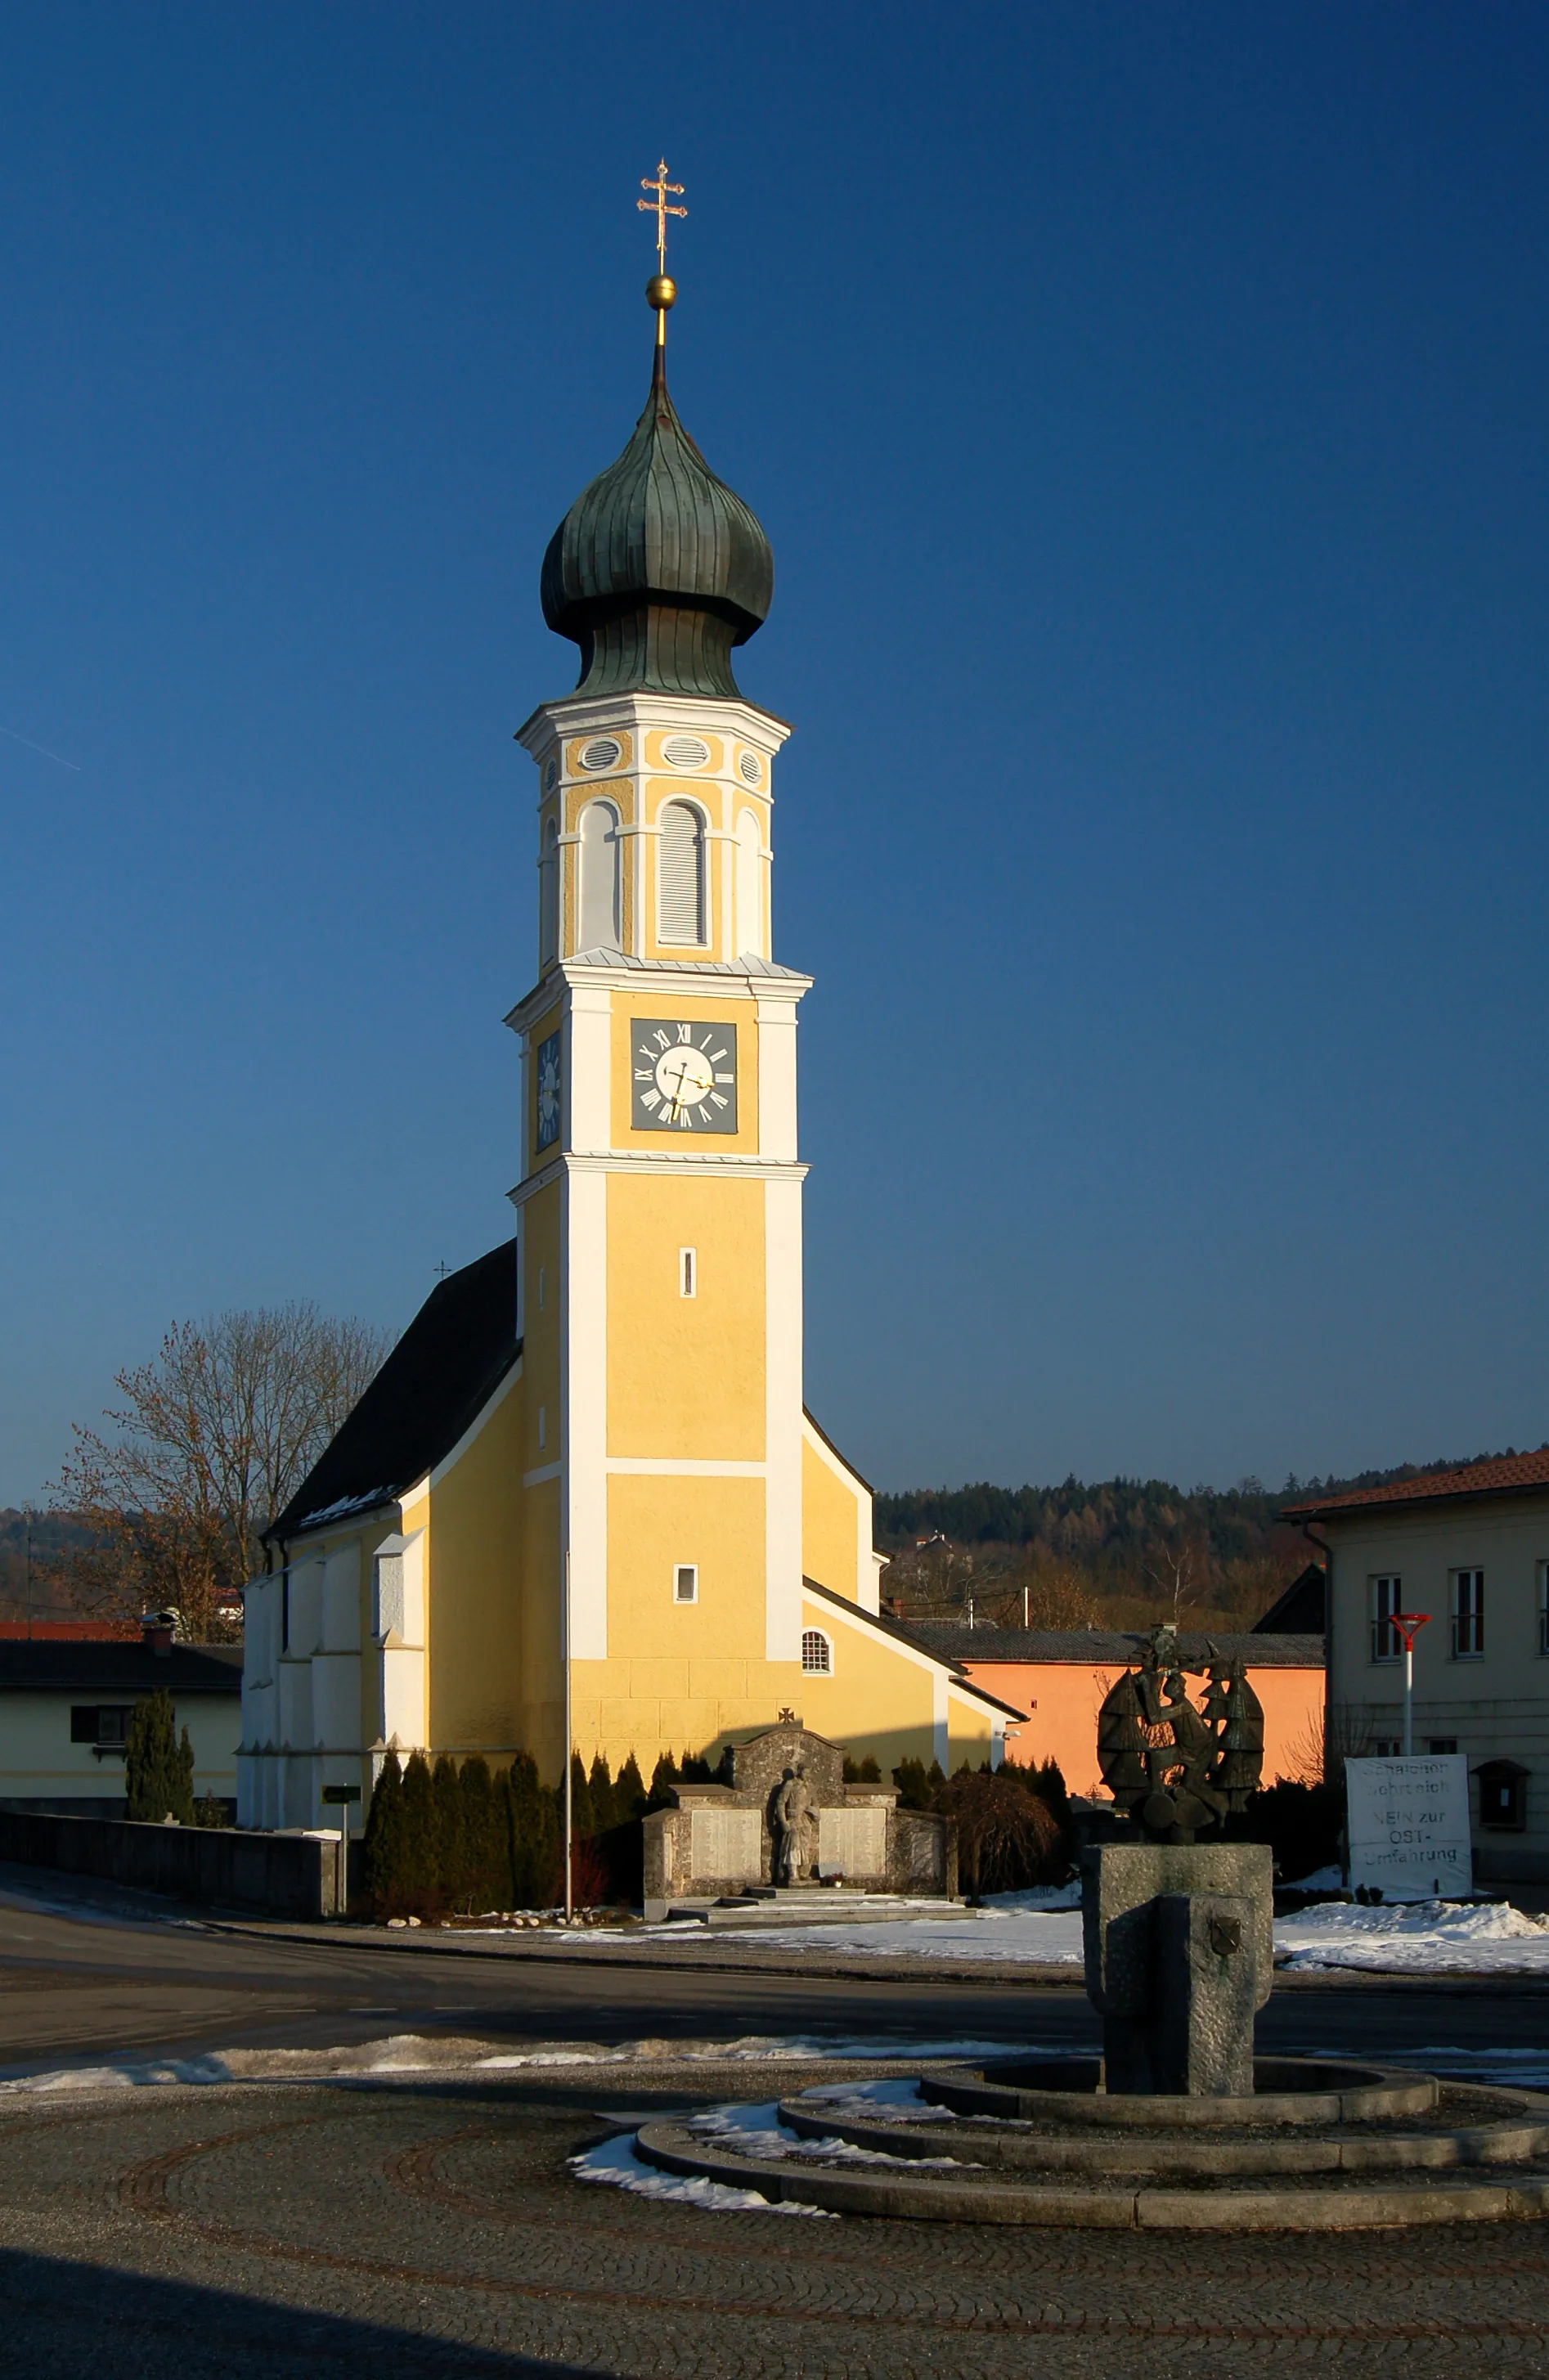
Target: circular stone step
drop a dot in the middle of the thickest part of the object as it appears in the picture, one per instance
(1235, 2165)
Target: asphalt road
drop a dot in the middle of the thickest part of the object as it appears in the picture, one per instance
(81, 1980)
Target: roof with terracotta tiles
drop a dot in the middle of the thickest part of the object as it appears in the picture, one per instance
(1503, 1475)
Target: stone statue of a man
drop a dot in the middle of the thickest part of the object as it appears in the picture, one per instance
(788, 1826)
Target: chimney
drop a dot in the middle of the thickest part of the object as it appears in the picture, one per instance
(156, 1630)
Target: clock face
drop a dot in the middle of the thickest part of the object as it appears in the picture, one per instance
(685, 1075)
(549, 1091)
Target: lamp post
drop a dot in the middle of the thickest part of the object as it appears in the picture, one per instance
(1407, 1626)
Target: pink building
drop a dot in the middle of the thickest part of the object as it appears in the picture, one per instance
(1057, 1678)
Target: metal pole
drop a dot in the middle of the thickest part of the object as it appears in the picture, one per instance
(569, 1784)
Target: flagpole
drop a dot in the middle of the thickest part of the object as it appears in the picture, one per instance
(569, 1780)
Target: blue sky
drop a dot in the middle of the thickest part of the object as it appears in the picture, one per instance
(1146, 406)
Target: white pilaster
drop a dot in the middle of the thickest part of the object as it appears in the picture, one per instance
(584, 1402)
(782, 1448)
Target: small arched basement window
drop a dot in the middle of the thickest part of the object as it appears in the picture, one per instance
(817, 1658)
(681, 875)
(599, 878)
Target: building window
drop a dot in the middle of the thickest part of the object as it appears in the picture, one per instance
(1387, 1596)
(688, 1273)
(1387, 1747)
(1502, 1795)
(817, 1659)
(685, 1583)
(599, 877)
(681, 875)
(1467, 1614)
(1441, 1744)
(106, 1724)
(1543, 1606)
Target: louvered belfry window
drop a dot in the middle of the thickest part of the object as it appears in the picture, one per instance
(681, 870)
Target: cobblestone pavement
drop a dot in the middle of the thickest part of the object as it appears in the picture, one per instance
(419, 2229)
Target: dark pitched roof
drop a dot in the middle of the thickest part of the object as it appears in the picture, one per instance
(911, 1637)
(102, 1667)
(1302, 1611)
(1504, 1474)
(444, 1369)
(1106, 1647)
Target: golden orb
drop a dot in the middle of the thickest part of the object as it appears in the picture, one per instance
(662, 291)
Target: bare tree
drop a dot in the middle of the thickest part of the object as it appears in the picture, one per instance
(216, 1434)
(1177, 1572)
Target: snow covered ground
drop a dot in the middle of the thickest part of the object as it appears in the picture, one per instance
(1434, 1937)
(1044, 1928)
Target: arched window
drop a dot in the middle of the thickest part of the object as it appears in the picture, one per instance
(681, 875)
(817, 1658)
(599, 878)
(549, 895)
(750, 885)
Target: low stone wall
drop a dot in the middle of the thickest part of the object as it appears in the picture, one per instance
(280, 1875)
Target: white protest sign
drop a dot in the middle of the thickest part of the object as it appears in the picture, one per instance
(1409, 1826)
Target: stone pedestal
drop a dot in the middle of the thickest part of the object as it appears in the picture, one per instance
(1180, 1956)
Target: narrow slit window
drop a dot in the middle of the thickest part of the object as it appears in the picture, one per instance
(1387, 1596)
(685, 1583)
(681, 875)
(688, 1273)
(1467, 1614)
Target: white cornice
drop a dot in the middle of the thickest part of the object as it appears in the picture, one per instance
(690, 978)
(671, 1167)
(574, 714)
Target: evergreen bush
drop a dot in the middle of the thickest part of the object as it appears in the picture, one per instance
(452, 1862)
(663, 1778)
(864, 1772)
(629, 1800)
(486, 1863)
(421, 1884)
(603, 1799)
(381, 1854)
(158, 1770)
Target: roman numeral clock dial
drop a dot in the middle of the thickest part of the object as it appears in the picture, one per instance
(685, 1075)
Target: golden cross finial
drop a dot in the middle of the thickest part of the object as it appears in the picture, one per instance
(657, 205)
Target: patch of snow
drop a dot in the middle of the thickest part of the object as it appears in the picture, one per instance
(1041, 1937)
(1442, 1937)
(757, 2131)
(345, 1506)
(1037, 1896)
(615, 2162)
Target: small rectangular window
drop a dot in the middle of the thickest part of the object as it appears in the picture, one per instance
(688, 1273)
(542, 1428)
(1387, 1747)
(1441, 1744)
(1387, 1596)
(1543, 1606)
(83, 1723)
(685, 1583)
(1467, 1614)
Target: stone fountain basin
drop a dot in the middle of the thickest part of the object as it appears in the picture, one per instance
(1321, 2145)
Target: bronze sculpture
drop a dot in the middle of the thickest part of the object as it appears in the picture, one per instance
(1176, 1770)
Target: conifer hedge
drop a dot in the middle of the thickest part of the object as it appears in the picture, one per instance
(455, 1841)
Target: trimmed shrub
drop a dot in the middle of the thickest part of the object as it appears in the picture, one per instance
(1301, 1823)
(630, 1799)
(601, 1787)
(1008, 1837)
(382, 1856)
(451, 1860)
(532, 1836)
(158, 1769)
(422, 1884)
(865, 1772)
(486, 1866)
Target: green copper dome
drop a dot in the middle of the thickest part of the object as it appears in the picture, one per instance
(657, 569)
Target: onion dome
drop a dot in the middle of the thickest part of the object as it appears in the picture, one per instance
(657, 569)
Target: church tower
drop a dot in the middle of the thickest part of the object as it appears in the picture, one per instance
(660, 1198)
(582, 1505)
